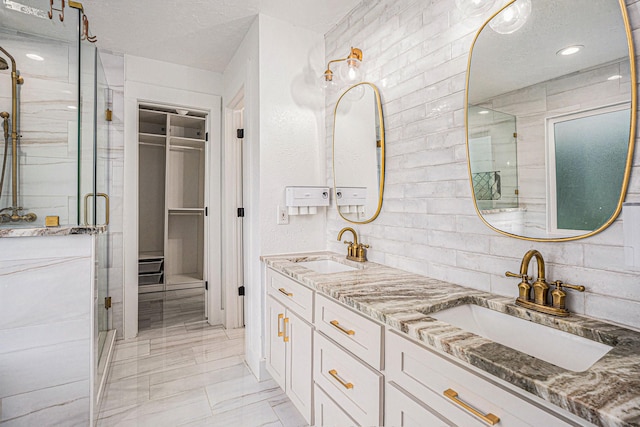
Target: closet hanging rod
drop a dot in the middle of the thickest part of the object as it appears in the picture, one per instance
(184, 147)
(152, 144)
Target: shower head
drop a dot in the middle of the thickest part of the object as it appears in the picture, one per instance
(3, 64)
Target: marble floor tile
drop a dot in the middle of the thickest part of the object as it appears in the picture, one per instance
(180, 371)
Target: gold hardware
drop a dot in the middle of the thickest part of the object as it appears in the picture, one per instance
(52, 221)
(353, 61)
(280, 316)
(284, 291)
(76, 5)
(489, 418)
(86, 207)
(355, 251)
(61, 10)
(541, 288)
(85, 30)
(285, 338)
(107, 303)
(334, 374)
(342, 328)
(108, 115)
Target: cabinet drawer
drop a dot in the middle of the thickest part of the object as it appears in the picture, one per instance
(402, 410)
(354, 386)
(328, 413)
(297, 297)
(356, 333)
(427, 375)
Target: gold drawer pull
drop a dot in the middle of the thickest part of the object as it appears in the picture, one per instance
(285, 338)
(342, 329)
(334, 374)
(489, 418)
(284, 291)
(280, 316)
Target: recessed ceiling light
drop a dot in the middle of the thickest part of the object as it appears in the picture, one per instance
(483, 112)
(35, 57)
(615, 77)
(570, 50)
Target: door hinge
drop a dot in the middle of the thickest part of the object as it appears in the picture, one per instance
(240, 212)
(241, 291)
(206, 285)
(206, 136)
(240, 133)
(108, 115)
(107, 303)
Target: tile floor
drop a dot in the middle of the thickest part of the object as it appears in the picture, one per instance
(180, 371)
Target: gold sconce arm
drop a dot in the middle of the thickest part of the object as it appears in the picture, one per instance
(353, 60)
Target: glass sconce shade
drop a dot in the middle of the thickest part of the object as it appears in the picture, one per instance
(351, 71)
(512, 18)
(471, 8)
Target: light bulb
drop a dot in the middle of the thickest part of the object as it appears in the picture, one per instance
(512, 18)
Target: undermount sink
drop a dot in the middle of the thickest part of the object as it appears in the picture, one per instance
(326, 266)
(560, 348)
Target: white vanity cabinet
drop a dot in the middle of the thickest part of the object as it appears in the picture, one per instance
(289, 339)
(347, 360)
(452, 393)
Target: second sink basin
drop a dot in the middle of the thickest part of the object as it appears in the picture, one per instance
(561, 348)
(326, 266)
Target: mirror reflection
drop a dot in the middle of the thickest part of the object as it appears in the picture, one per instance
(549, 123)
(358, 154)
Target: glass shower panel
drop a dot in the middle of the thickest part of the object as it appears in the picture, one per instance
(46, 111)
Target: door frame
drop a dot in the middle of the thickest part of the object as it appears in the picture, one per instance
(136, 93)
(232, 225)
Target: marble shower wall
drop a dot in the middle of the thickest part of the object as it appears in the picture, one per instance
(45, 330)
(416, 52)
(48, 123)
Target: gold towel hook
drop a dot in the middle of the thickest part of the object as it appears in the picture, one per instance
(85, 30)
(51, 9)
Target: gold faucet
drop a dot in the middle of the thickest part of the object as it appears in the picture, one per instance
(356, 251)
(541, 288)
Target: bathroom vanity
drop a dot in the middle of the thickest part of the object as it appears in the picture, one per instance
(359, 344)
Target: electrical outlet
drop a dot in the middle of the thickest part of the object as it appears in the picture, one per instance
(283, 216)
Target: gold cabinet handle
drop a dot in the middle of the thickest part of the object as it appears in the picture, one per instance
(284, 291)
(280, 316)
(342, 328)
(489, 418)
(344, 384)
(285, 338)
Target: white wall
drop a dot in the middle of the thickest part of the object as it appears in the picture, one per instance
(277, 65)
(417, 52)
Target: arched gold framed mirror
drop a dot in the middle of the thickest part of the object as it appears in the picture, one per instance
(550, 117)
(358, 153)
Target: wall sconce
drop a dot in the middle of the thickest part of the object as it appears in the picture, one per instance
(350, 73)
(512, 18)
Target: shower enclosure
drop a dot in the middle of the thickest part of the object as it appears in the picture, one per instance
(58, 130)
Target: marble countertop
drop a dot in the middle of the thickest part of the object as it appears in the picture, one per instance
(65, 230)
(607, 394)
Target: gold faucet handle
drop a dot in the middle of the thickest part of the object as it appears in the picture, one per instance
(524, 277)
(559, 284)
(348, 243)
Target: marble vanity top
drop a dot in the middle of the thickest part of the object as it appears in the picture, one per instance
(606, 394)
(64, 230)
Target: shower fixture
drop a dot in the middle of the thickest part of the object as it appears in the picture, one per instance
(12, 213)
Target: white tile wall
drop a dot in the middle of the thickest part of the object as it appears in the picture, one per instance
(416, 53)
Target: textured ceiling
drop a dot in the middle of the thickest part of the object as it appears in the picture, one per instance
(198, 33)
